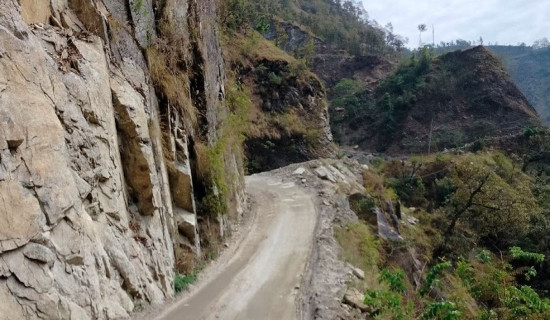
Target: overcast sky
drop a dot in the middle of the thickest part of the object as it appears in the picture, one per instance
(502, 21)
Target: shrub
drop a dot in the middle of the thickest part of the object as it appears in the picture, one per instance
(484, 256)
(519, 254)
(431, 277)
(478, 145)
(395, 279)
(525, 301)
(441, 310)
(182, 282)
(275, 79)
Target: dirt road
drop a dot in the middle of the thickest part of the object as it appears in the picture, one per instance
(261, 280)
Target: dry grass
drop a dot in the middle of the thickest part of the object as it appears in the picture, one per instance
(374, 183)
(172, 82)
(459, 294)
(361, 249)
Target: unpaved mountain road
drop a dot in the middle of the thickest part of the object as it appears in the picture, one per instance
(261, 280)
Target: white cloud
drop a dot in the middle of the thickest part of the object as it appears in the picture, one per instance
(502, 21)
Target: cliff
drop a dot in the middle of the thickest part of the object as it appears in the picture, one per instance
(110, 112)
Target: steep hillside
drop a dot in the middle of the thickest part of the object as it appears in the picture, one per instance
(458, 98)
(529, 68)
(288, 117)
(282, 102)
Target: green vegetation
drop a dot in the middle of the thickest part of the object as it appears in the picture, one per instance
(430, 104)
(385, 110)
(342, 24)
(182, 282)
(211, 163)
(479, 220)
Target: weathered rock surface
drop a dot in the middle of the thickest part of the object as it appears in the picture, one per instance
(354, 298)
(90, 211)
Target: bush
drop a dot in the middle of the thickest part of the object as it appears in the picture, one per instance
(395, 279)
(275, 79)
(478, 145)
(441, 310)
(431, 277)
(182, 282)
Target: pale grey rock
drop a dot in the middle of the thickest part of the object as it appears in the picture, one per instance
(187, 224)
(30, 273)
(299, 171)
(9, 307)
(11, 132)
(323, 173)
(355, 299)
(38, 252)
(76, 312)
(359, 273)
(19, 215)
(81, 147)
(137, 152)
(35, 11)
(75, 259)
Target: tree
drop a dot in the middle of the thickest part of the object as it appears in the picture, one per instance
(422, 28)
(541, 43)
(492, 198)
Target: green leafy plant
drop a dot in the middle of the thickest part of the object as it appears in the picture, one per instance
(525, 301)
(431, 277)
(275, 79)
(484, 256)
(519, 254)
(530, 273)
(182, 282)
(441, 310)
(395, 279)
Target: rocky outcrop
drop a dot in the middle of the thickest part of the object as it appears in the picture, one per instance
(287, 117)
(293, 38)
(96, 180)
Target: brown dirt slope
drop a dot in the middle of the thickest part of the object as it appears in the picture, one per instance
(461, 96)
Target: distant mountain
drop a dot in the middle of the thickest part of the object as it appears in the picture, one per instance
(449, 100)
(530, 70)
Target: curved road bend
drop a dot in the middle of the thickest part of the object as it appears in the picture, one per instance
(260, 281)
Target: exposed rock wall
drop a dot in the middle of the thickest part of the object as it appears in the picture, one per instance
(95, 202)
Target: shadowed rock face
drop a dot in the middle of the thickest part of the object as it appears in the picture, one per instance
(93, 202)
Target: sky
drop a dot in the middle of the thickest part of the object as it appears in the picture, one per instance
(501, 21)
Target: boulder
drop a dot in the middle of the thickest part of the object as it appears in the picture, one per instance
(356, 299)
(323, 173)
(358, 272)
(187, 224)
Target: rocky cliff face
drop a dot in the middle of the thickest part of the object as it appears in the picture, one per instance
(97, 174)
